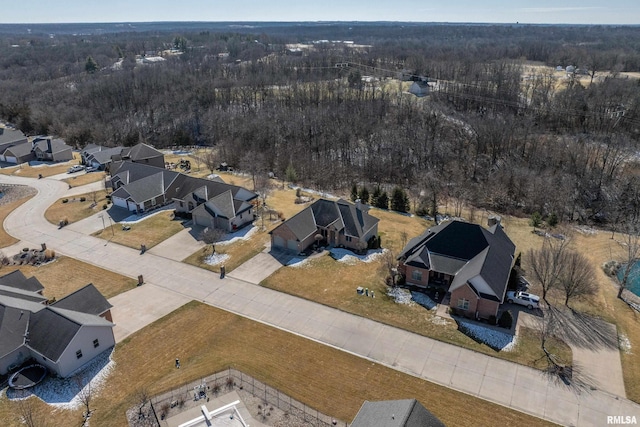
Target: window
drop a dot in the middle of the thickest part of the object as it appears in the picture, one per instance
(79, 354)
(96, 343)
(463, 304)
(416, 275)
(348, 238)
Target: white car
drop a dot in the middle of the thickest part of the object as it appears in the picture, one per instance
(76, 168)
(523, 298)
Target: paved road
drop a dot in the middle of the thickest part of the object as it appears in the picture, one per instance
(506, 383)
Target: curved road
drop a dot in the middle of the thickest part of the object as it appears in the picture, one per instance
(170, 284)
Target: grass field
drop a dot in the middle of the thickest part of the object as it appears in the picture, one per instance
(85, 178)
(45, 169)
(75, 210)
(66, 275)
(150, 231)
(238, 252)
(329, 380)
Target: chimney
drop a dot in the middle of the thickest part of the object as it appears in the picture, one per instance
(49, 146)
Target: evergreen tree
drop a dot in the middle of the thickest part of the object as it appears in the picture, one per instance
(90, 66)
(383, 201)
(291, 174)
(399, 200)
(375, 196)
(354, 193)
(363, 195)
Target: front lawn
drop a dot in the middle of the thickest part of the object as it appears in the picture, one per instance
(85, 178)
(76, 209)
(238, 252)
(65, 275)
(150, 231)
(341, 381)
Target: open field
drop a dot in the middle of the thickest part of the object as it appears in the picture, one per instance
(150, 231)
(238, 252)
(341, 382)
(85, 178)
(75, 210)
(66, 275)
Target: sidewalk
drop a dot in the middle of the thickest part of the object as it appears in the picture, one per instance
(509, 384)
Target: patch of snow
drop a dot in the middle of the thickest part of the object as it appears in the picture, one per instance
(497, 340)
(401, 296)
(349, 257)
(624, 344)
(440, 321)
(64, 393)
(215, 259)
(424, 300)
(310, 191)
(586, 230)
(242, 234)
(297, 262)
(132, 219)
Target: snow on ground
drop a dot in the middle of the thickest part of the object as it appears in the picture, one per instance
(586, 230)
(216, 259)
(310, 191)
(400, 296)
(624, 344)
(349, 257)
(132, 219)
(497, 340)
(424, 300)
(440, 321)
(242, 234)
(297, 262)
(63, 393)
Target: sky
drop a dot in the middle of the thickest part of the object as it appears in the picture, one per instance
(490, 11)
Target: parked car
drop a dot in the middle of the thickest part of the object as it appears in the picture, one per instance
(76, 168)
(523, 298)
(91, 169)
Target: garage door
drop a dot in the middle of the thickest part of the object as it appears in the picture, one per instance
(292, 245)
(278, 242)
(117, 201)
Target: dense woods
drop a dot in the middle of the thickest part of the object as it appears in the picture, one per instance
(495, 132)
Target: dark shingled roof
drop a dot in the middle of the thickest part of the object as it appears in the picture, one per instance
(13, 327)
(19, 150)
(86, 300)
(395, 413)
(57, 145)
(342, 215)
(140, 152)
(471, 253)
(16, 279)
(11, 136)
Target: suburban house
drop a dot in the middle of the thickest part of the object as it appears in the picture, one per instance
(141, 153)
(97, 156)
(395, 413)
(419, 88)
(55, 150)
(466, 260)
(338, 223)
(138, 188)
(63, 336)
(9, 137)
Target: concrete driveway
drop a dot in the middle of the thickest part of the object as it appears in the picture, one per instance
(180, 245)
(260, 266)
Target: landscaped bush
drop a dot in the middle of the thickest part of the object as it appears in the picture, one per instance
(492, 320)
(82, 199)
(506, 320)
(65, 200)
(104, 206)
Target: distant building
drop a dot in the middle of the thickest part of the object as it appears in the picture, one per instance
(395, 413)
(420, 88)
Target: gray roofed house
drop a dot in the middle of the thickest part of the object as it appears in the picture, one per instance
(143, 154)
(395, 413)
(98, 156)
(18, 153)
(9, 137)
(339, 223)
(62, 336)
(52, 149)
(16, 279)
(223, 211)
(86, 300)
(470, 262)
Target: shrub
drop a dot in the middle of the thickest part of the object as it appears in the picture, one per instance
(506, 320)
(104, 206)
(492, 320)
(82, 199)
(536, 220)
(552, 220)
(65, 200)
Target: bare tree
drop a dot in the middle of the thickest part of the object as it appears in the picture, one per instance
(211, 236)
(576, 276)
(631, 244)
(546, 263)
(142, 398)
(211, 160)
(389, 267)
(85, 393)
(27, 411)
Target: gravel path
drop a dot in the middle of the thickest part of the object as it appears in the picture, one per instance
(12, 193)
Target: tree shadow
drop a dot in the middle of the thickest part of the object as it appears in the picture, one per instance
(581, 330)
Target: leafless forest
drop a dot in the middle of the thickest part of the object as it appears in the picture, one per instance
(495, 132)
